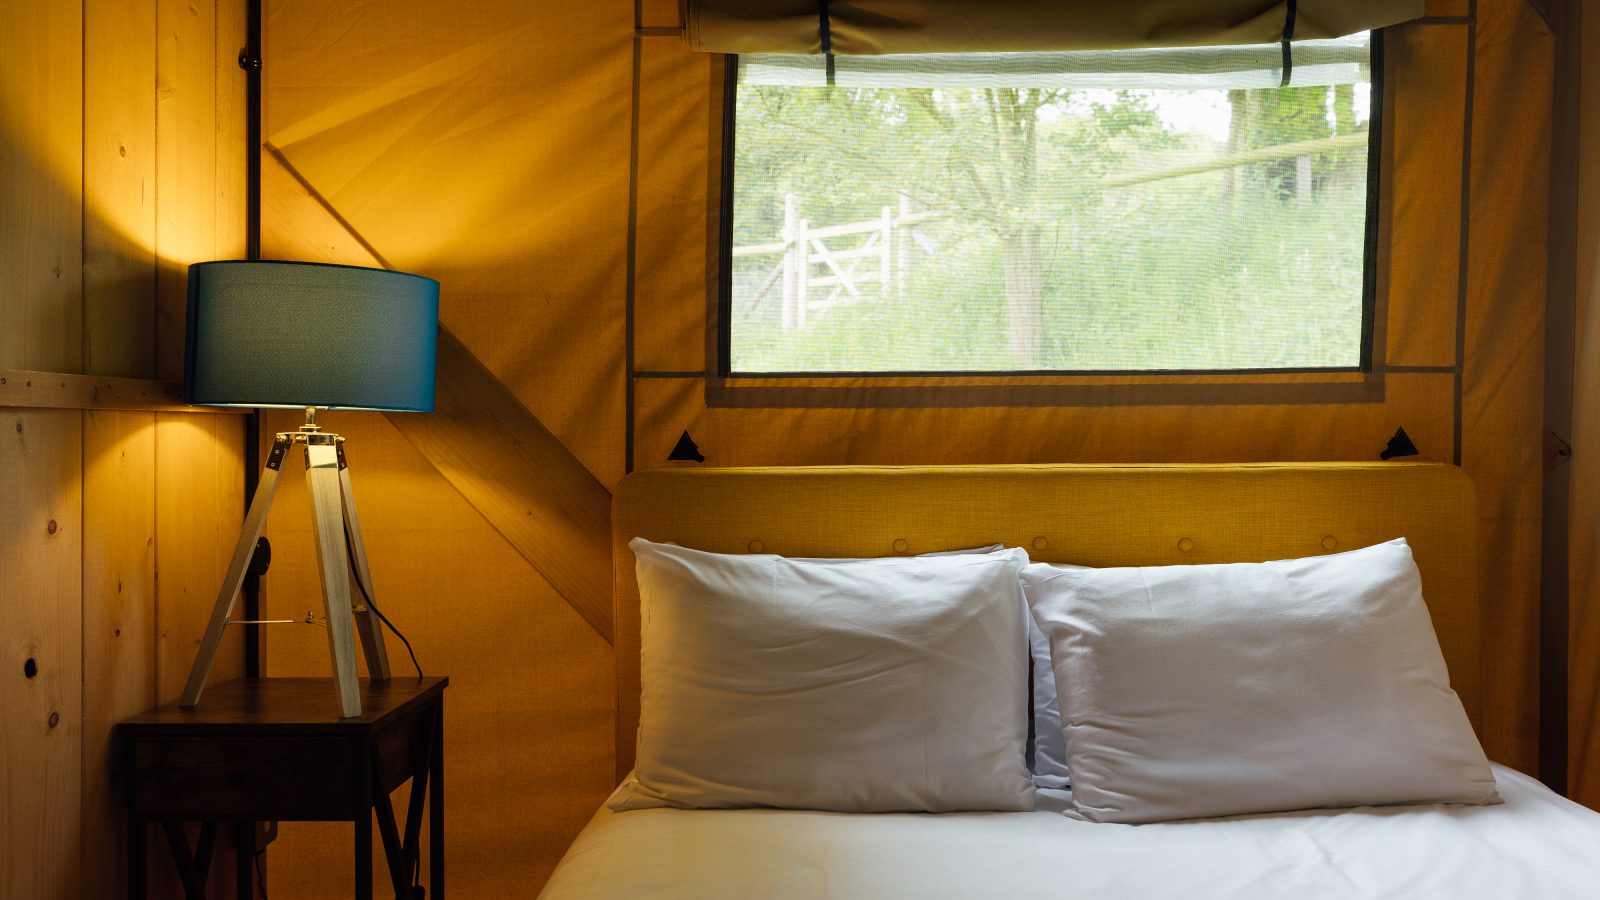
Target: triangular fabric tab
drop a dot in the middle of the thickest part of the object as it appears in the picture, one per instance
(1399, 445)
(688, 450)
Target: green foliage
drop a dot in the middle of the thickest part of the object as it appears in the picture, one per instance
(1233, 267)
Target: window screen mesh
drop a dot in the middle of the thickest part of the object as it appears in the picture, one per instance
(1148, 210)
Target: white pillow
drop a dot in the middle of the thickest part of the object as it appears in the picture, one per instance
(1049, 759)
(1193, 691)
(872, 685)
(1047, 756)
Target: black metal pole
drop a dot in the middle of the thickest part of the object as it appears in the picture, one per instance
(250, 62)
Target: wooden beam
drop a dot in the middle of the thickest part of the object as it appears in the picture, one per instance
(60, 390)
(542, 499)
(1264, 154)
(520, 477)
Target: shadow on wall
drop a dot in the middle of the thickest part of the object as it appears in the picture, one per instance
(98, 278)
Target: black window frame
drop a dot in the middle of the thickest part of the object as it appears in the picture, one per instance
(725, 383)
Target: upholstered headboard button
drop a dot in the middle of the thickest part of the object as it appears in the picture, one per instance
(1041, 544)
(1185, 544)
(755, 546)
(900, 545)
(1329, 542)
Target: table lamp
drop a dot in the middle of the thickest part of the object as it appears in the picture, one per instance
(298, 335)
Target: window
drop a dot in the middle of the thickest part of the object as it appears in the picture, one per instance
(1113, 211)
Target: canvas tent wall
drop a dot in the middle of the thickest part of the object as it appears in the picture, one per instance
(558, 172)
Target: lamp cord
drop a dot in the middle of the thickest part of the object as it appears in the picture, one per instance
(355, 572)
(261, 877)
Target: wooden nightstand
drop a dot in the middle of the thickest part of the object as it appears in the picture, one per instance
(274, 749)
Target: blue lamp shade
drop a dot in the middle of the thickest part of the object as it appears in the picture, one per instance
(297, 334)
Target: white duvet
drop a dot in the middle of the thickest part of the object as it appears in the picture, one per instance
(1536, 845)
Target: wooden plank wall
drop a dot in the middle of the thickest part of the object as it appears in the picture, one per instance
(122, 147)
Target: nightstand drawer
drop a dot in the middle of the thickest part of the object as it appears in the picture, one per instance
(258, 778)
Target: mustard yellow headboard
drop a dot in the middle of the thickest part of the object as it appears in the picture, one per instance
(1086, 514)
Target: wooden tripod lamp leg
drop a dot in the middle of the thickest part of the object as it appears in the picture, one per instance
(228, 594)
(372, 646)
(322, 474)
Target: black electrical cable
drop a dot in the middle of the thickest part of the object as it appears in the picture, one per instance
(261, 877)
(355, 571)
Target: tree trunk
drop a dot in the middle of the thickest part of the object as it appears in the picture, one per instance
(1024, 286)
(1239, 123)
(1348, 167)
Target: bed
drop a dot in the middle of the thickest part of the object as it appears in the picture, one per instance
(1535, 844)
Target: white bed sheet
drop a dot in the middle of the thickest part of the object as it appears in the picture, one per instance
(1536, 845)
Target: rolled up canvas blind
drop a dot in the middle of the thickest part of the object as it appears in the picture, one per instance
(870, 27)
(1345, 60)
